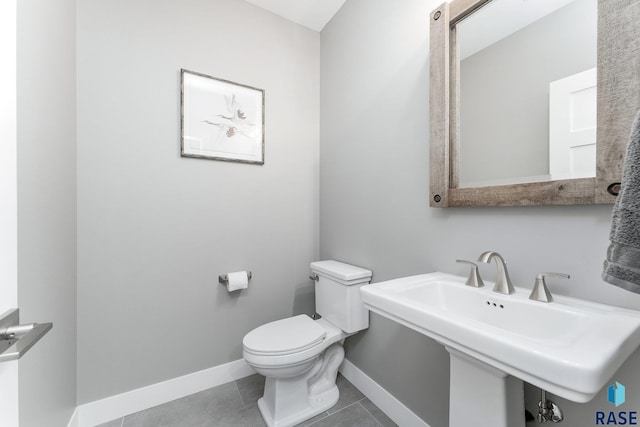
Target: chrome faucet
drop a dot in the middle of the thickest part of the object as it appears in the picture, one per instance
(503, 282)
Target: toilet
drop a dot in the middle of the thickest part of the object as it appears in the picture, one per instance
(300, 356)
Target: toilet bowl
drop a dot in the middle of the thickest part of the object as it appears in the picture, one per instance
(299, 356)
(291, 353)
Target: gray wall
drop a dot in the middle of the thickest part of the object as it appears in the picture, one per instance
(504, 93)
(47, 207)
(155, 230)
(374, 208)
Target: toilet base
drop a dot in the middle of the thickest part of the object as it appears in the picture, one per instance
(288, 401)
(321, 403)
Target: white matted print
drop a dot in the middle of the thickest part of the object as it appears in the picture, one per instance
(221, 120)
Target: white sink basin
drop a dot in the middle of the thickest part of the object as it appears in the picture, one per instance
(569, 347)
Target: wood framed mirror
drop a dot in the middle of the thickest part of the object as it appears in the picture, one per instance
(617, 92)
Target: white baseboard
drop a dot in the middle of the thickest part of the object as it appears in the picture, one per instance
(114, 407)
(74, 421)
(384, 400)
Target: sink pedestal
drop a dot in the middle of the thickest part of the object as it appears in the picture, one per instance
(482, 395)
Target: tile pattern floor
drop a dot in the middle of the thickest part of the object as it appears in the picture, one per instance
(234, 404)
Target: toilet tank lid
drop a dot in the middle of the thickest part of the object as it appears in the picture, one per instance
(340, 270)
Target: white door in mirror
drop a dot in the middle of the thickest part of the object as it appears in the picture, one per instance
(572, 126)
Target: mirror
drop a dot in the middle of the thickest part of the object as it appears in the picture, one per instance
(514, 96)
(520, 79)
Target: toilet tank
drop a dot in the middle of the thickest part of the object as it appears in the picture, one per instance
(338, 294)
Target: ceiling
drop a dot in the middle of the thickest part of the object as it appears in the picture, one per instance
(506, 17)
(312, 14)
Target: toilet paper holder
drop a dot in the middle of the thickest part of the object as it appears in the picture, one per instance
(224, 279)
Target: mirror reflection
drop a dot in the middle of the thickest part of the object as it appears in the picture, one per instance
(527, 94)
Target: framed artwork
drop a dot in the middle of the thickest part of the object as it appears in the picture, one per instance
(220, 119)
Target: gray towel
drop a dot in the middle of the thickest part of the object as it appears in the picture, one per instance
(622, 266)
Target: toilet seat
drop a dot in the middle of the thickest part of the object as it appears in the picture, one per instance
(285, 336)
(289, 342)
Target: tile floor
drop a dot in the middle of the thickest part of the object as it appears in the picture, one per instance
(234, 405)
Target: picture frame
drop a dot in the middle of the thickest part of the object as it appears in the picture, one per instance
(220, 119)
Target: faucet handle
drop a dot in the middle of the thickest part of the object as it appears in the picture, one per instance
(474, 278)
(540, 291)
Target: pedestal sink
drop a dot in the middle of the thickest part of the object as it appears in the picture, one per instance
(569, 347)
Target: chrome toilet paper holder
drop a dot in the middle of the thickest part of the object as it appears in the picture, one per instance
(224, 279)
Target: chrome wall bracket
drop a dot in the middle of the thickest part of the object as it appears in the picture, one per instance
(17, 339)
